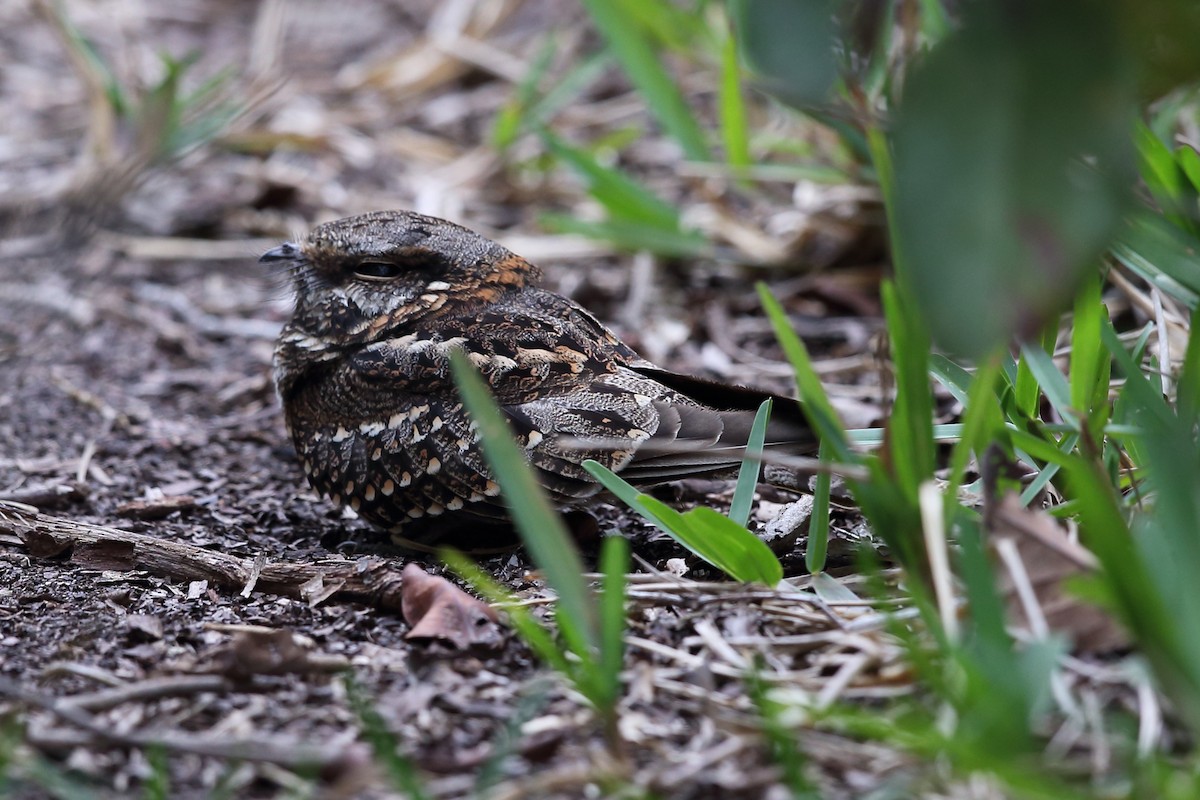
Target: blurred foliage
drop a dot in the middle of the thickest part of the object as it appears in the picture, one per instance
(1014, 166)
(1006, 144)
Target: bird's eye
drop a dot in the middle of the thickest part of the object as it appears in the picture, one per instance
(376, 270)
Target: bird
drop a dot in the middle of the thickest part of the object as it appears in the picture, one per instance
(362, 369)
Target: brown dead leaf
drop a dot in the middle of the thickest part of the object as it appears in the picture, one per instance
(1046, 559)
(438, 610)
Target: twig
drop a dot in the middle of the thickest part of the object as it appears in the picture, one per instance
(369, 580)
(329, 761)
(149, 689)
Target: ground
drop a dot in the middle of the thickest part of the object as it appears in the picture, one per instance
(136, 333)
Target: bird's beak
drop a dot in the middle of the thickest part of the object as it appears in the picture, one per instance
(285, 252)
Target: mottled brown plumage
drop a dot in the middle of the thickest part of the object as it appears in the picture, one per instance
(363, 371)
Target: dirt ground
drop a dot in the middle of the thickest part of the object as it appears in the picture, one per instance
(135, 394)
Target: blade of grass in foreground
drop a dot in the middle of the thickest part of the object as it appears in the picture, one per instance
(541, 529)
(539, 638)
(614, 563)
(400, 771)
(747, 480)
(911, 425)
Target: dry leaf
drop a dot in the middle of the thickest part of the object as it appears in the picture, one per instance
(1037, 554)
(438, 610)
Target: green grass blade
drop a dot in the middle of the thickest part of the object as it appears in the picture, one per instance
(715, 538)
(1162, 254)
(401, 772)
(631, 235)
(537, 637)
(747, 480)
(614, 563)
(157, 783)
(620, 195)
(541, 529)
(981, 422)
(514, 115)
(874, 437)
(675, 25)
(911, 424)
(818, 527)
(1051, 380)
(952, 376)
(507, 740)
(731, 107)
(1188, 391)
(568, 90)
(1088, 356)
(1047, 473)
(634, 50)
(781, 742)
(1026, 391)
(817, 408)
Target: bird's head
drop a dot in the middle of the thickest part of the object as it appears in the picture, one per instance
(354, 278)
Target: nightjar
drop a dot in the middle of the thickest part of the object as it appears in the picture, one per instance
(363, 371)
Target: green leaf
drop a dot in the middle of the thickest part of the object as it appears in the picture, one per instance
(620, 195)
(790, 45)
(631, 235)
(950, 375)
(747, 480)
(715, 538)
(1013, 167)
(981, 423)
(614, 563)
(818, 526)
(731, 108)
(1188, 393)
(746, 558)
(1162, 254)
(1051, 381)
(540, 528)
(634, 50)
(910, 426)
(514, 115)
(401, 772)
